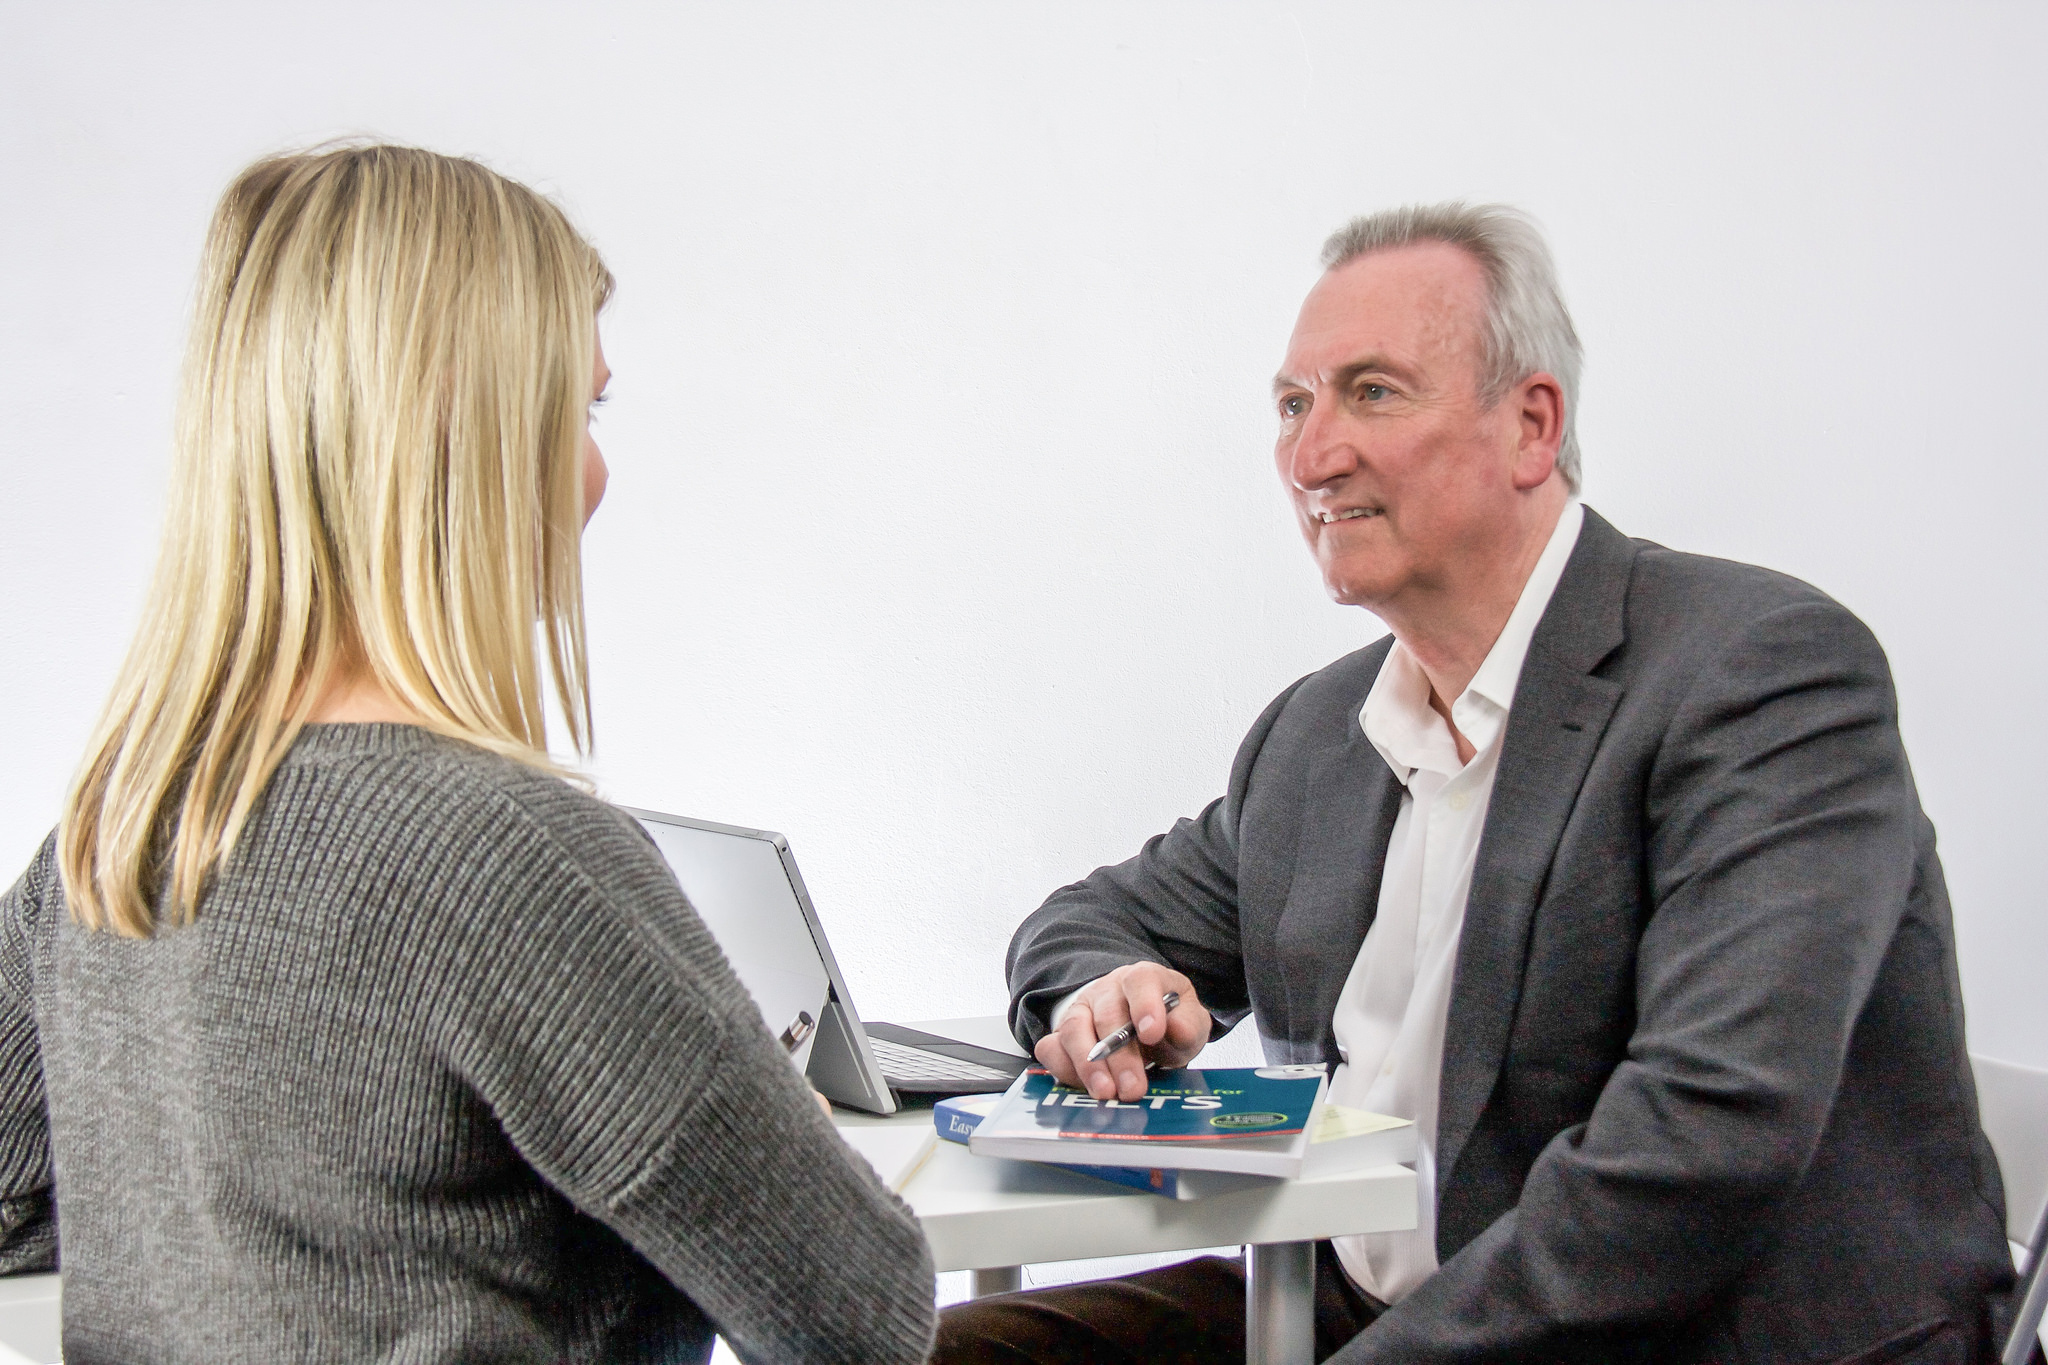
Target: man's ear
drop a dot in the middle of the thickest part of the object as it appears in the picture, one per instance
(1539, 409)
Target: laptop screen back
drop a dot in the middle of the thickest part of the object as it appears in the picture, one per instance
(738, 885)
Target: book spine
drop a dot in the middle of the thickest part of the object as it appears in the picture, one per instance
(955, 1124)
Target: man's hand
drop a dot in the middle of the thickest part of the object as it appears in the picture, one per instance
(1105, 1005)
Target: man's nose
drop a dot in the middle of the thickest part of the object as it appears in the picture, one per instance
(1322, 451)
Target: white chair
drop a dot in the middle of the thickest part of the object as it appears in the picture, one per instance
(31, 1319)
(2013, 1102)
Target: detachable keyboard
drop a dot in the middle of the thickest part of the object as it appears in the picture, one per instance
(925, 1063)
(910, 1063)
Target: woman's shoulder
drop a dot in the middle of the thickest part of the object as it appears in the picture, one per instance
(403, 757)
(501, 890)
(409, 793)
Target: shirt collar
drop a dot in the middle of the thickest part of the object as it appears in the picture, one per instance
(1397, 717)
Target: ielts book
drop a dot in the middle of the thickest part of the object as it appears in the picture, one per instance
(958, 1117)
(1245, 1120)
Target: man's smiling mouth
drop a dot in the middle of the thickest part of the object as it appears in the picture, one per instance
(1350, 514)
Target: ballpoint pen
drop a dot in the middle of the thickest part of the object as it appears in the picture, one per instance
(1125, 1035)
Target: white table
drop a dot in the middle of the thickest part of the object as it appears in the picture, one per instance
(993, 1216)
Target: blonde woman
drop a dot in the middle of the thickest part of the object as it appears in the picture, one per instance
(337, 1023)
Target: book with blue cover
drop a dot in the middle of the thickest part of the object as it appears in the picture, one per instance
(1249, 1120)
(958, 1117)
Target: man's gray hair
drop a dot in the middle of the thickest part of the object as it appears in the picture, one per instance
(1527, 325)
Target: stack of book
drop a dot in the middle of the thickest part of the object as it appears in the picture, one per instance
(1194, 1133)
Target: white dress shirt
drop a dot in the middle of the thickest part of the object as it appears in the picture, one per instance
(1390, 1016)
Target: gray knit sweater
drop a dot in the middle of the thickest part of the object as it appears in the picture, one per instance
(446, 1070)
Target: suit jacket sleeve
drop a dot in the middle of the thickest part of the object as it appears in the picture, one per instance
(1781, 829)
(28, 1210)
(1175, 903)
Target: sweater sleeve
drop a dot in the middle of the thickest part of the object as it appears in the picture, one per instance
(629, 1066)
(28, 1208)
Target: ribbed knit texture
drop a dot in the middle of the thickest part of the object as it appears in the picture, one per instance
(447, 1069)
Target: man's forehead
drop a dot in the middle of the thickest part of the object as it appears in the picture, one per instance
(1417, 302)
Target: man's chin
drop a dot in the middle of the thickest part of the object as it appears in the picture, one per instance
(1350, 587)
(1363, 601)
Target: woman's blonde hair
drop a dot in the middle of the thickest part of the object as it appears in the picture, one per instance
(378, 465)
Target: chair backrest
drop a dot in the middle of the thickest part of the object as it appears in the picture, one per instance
(2013, 1101)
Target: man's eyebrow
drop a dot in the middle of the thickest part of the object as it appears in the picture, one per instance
(1374, 364)
(1366, 365)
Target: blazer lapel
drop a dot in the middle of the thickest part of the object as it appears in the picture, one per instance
(1554, 728)
(1353, 798)
(1350, 799)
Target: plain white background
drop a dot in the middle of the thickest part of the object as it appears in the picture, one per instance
(943, 534)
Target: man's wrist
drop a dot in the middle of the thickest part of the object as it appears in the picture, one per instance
(1059, 1011)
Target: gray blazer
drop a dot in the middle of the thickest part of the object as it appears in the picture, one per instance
(1704, 1093)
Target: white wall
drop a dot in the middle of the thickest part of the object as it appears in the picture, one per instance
(942, 533)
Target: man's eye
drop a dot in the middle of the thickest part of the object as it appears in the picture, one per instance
(1373, 393)
(1294, 405)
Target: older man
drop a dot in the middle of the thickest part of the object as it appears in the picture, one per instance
(1606, 868)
